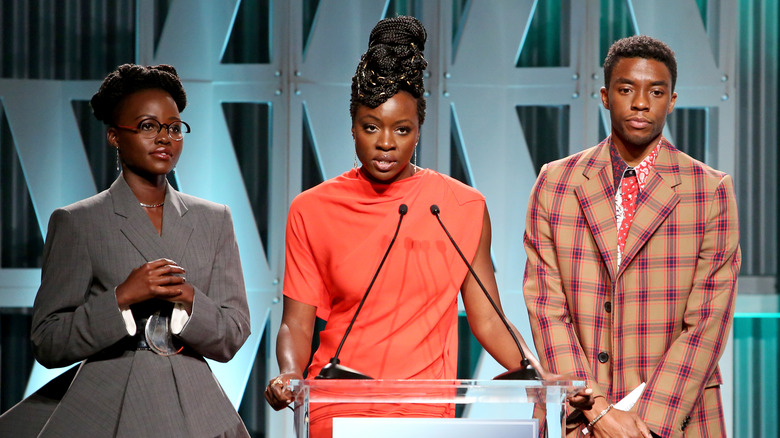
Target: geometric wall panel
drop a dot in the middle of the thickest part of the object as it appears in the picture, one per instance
(67, 40)
(546, 131)
(309, 14)
(157, 16)
(103, 159)
(21, 243)
(459, 163)
(250, 37)
(312, 172)
(689, 129)
(253, 401)
(616, 21)
(16, 358)
(546, 43)
(758, 99)
(250, 131)
(484, 88)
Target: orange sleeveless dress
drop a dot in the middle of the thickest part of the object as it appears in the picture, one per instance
(337, 233)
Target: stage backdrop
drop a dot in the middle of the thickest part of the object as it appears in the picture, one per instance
(512, 84)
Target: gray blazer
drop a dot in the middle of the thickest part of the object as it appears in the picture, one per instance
(91, 247)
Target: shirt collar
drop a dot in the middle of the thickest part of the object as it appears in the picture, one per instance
(619, 166)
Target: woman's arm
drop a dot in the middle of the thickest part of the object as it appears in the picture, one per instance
(486, 325)
(219, 319)
(293, 349)
(68, 324)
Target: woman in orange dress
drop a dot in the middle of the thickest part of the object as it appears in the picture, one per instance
(339, 231)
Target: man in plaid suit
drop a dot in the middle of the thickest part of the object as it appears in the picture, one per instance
(633, 257)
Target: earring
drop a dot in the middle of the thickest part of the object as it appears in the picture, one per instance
(415, 159)
(118, 167)
(354, 165)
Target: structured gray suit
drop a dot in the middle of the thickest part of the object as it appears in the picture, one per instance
(91, 247)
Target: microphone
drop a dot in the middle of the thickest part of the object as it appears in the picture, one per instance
(525, 371)
(333, 370)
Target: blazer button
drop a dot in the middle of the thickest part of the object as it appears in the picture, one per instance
(685, 422)
(608, 307)
(603, 357)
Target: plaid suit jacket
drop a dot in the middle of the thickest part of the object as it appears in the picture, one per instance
(664, 315)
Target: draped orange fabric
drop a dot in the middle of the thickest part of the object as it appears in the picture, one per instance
(337, 233)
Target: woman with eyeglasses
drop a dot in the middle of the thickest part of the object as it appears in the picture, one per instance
(140, 283)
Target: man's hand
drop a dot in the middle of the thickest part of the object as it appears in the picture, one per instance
(615, 423)
(582, 399)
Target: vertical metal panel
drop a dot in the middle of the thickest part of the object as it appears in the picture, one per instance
(756, 342)
(757, 92)
(756, 329)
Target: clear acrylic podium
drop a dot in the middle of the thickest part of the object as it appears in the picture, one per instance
(495, 408)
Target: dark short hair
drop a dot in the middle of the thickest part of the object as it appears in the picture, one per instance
(393, 62)
(130, 78)
(640, 46)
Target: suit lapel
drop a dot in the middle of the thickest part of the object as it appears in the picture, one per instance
(654, 203)
(138, 229)
(134, 223)
(176, 228)
(596, 198)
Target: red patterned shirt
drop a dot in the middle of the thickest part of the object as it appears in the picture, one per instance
(621, 170)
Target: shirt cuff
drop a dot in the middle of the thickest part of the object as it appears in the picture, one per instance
(179, 318)
(127, 315)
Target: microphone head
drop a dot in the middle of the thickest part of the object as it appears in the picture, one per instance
(333, 370)
(525, 371)
(434, 209)
(402, 209)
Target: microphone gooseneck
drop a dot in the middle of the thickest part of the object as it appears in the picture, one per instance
(333, 370)
(526, 371)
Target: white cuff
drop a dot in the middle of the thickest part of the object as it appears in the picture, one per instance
(127, 315)
(179, 318)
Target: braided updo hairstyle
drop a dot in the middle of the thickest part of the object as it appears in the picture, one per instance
(130, 78)
(393, 62)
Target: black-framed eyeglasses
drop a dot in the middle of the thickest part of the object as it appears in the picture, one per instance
(150, 128)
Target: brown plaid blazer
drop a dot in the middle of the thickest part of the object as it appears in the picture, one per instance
(663, 316)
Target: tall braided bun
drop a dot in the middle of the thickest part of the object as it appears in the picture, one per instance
(393, 62)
